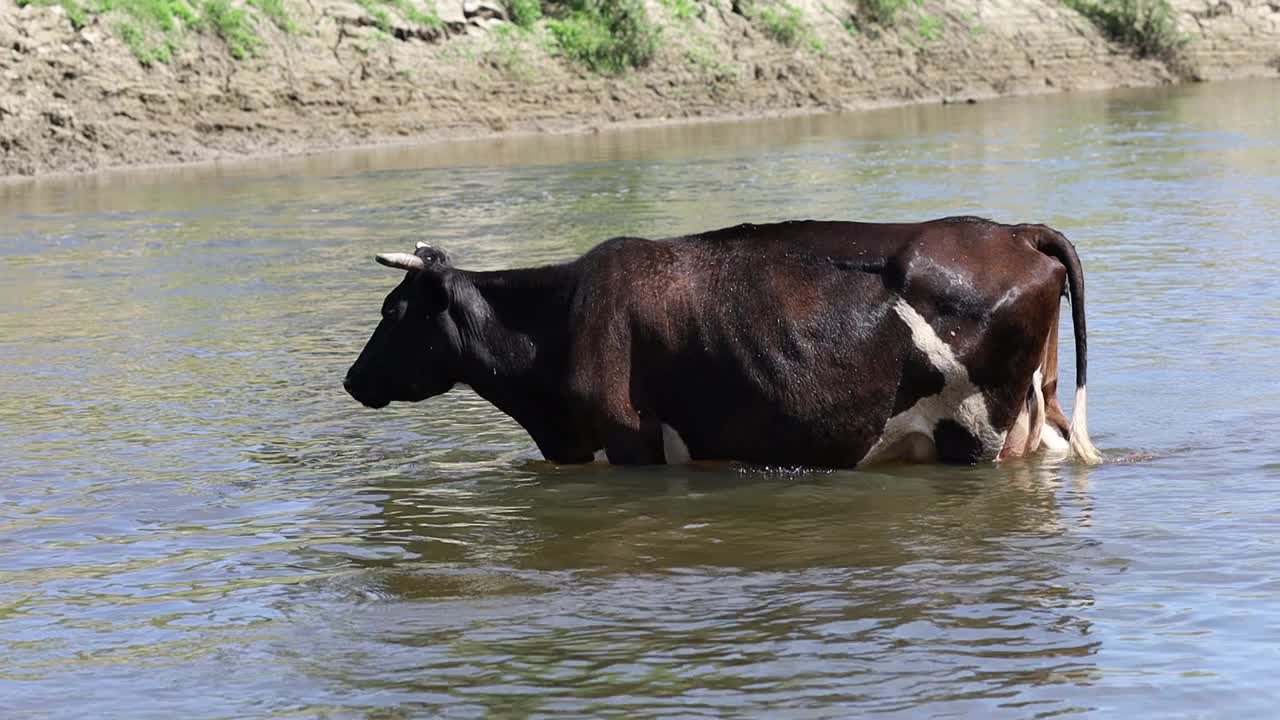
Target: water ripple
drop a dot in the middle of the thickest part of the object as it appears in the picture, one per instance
(196, 521)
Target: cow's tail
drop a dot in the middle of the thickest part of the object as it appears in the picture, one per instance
(1055, 245)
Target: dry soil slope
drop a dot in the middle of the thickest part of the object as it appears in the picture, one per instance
(76, 100)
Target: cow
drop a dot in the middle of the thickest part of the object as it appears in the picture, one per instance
(801, 343)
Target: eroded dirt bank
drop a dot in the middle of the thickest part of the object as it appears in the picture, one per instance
(79, 99)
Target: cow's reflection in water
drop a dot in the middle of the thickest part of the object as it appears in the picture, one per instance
(607, 520)
(731, 577)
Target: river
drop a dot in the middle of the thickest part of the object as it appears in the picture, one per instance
(196, 521)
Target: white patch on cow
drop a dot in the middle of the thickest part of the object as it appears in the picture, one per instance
(960, 400)
(1052, 440)
(917, 448)
(674, 451)
(601, 456)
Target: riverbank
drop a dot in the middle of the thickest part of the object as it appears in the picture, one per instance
(82, 91)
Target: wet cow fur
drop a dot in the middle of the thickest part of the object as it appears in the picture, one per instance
(798, 343)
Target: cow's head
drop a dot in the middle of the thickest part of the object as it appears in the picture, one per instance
(415, 351)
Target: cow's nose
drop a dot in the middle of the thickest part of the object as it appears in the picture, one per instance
(346, 384)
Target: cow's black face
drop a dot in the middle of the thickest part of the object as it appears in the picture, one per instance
(413, 354)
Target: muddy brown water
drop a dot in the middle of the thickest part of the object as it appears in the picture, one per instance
(195, 520)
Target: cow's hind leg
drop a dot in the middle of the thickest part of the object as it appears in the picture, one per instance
(1053, 432)
(1027, 432)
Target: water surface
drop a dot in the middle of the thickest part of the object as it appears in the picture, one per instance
(195, 521)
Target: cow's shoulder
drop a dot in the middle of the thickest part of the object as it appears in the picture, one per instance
(621, 266)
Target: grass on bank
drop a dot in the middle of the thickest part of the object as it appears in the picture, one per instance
(874, 16)
(682, 10)
(781, 21)
(154, 30)
(606, 36)
(929, 27)
(786, 25)
(380, 11)
(1149, 27)
(882, 12)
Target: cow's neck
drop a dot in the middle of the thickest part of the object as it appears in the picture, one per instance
(516, 329)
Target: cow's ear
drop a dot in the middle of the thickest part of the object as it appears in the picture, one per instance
(433, 283)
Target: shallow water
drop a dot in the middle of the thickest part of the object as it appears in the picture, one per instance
(195, 520)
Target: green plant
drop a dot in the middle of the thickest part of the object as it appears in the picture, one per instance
(76, 13)
(377, 13)
(275, 11)
(883, 12)
(427, 18)
(163, 16)
(929, 27)
(710, 63)
(380, 13)
(524, 13)
(146, 52)
(971, 23)
(1147, 26)
(681, 9)
(507, 54)
(153, 30)
(784, 23)
(607, 36)
(233, 26)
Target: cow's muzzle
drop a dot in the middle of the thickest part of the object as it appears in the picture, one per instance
(363, 396)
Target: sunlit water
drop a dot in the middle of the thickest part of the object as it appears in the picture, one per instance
(196, 522)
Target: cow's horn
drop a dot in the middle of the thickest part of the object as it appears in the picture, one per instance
(422, 245)
(404, 261)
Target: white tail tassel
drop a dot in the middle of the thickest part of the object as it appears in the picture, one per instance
(1081, 447)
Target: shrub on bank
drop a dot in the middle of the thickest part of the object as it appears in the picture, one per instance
(1147, 26)
(524, 13)
(607, 36)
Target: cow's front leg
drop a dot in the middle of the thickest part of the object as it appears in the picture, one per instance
(616, 399)
(633, 440)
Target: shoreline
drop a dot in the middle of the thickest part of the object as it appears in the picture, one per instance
(205, 110)
(445, 137)
(457, 142)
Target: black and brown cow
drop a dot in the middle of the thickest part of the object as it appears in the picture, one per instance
(830, 344)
